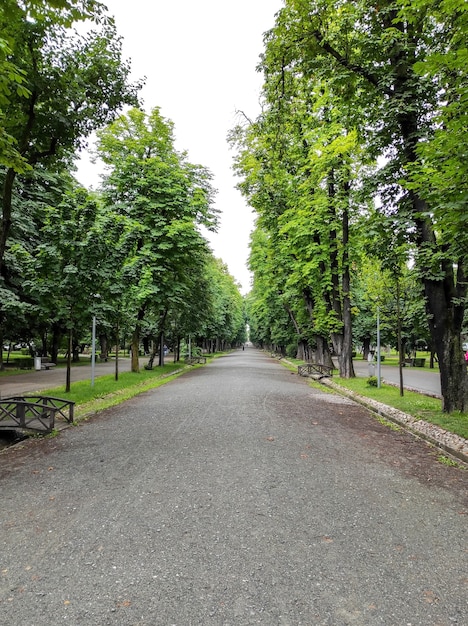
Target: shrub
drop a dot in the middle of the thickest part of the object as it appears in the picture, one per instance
(372, 381)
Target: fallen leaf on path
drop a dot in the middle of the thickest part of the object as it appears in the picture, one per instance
(124, 603)
(430, 597)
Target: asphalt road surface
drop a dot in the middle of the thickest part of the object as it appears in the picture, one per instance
(233, 495)
(413, 377)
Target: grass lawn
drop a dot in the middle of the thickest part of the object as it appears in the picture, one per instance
(415, 404)
(108, 392)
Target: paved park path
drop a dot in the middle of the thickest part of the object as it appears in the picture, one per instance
(234, 495)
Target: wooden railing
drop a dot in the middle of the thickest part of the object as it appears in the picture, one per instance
(317, 370)
(36, 413)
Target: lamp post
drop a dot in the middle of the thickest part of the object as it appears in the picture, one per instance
(93, 350)
(378, 347)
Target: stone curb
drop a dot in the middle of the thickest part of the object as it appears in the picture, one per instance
(446, 441)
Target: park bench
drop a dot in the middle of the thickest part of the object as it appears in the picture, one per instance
(414, 362)
(195, 359)
(315, 370)
(46, 363)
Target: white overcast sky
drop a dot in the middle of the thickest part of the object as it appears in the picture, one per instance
(199, 59)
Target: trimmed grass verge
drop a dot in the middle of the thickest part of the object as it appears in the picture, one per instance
(412, 403)
(108, 392)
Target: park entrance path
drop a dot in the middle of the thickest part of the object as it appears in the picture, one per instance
(233, 495)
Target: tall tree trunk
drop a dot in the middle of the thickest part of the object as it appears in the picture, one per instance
(104, 347)
(161, 348)
(69, 360)
(401, 353)
(445, 318)
(135, 363)
(300, 342)
(445, 295)
(345, 359)
(445, 308)
(321, 352)
(5, 222)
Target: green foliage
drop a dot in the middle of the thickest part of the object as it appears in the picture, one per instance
(359, 149)
(51, 116)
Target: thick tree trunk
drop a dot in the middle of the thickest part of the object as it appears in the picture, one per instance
(401, 352)
(300, 342)
(321, 353)
(445, 323)
(104, 347)
(69, 359)
(75, 351)
(135, 365)
(445, 295)
(366, 343)
(345, 360)
(161, 349)
(445, 308)
(5, 222)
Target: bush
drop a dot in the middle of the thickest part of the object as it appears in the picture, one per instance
(291, 350)
(372, 381)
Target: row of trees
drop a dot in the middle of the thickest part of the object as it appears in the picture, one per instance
(132, 255)
(358, 158)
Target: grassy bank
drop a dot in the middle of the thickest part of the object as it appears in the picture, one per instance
(108, 392)
(412, 403)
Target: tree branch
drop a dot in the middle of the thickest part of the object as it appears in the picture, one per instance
(352, 67)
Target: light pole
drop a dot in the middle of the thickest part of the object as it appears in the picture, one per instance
(93, 350)
(378, 347)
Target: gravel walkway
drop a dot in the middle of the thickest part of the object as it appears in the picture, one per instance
(233, 495)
